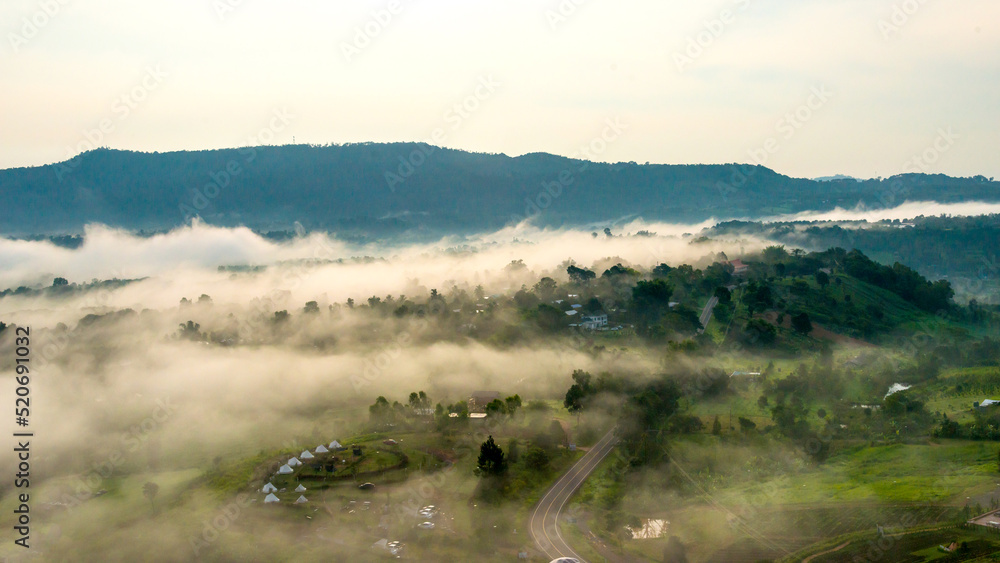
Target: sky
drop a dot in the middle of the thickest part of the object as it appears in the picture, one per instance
(809, 88)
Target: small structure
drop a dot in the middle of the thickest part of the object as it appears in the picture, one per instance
(306, 455)
(286, 470)
(270, 499)
(321, 449)
(335, 446)
(739, 268)
(294, 462)
(477, 415)
(269, 488)
(301, 500)
(571, 313)
(300, 489)
(479, 400)
(986, 403)
(594, 321)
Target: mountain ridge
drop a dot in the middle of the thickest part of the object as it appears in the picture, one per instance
(393, 188)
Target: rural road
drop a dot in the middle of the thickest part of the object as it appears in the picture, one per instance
(706, 313)
(544, 521)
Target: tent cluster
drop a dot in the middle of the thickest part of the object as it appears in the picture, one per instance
(289, 467)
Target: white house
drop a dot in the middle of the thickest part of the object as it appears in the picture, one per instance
(594, 322)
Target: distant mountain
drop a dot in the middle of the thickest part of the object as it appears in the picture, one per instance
(836, 177)
(417, 189)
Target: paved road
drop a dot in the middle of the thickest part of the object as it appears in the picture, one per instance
(706, 313)
(544, 521)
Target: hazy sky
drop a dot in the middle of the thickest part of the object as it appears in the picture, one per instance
(874, 83)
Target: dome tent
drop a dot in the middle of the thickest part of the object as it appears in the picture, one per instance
(300, 489)
(270, 499)
(301, 500)
(285, 470)
(306, 455)
(294, 462)
(321, 449)
(269, 488)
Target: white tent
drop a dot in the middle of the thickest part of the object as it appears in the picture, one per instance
(294, 462)
(321, 449)
(271, 499)
(335, 445)
(269, 488)
(301, 500)
(306, 455)
(285, 470)
(300, 489)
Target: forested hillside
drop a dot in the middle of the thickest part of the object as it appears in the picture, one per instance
(390, 188)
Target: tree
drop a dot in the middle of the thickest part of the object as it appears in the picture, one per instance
(716, 426)
(149, 491)
(59, 282)
(823, 279)
(580, 275)
(661, 271)
(723, 295)
(513, 452)
(491, 462)
(747, 425)
(496, 407)
(536, 459)
(204, 299)
(546, 287)
(380, 410)
(802, 324)
(311, 307)
(512, 403)
(579, 391)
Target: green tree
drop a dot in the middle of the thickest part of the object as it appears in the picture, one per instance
(492, 461)
(823, 279)
(536, 459)
(802, 324)
(716, 427)
(747, 425)
(580, 275)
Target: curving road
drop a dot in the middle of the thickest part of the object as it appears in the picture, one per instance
(706, 313)
(544, 522)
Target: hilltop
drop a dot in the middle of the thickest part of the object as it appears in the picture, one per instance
(386, 189)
